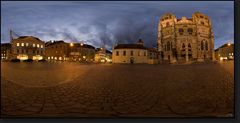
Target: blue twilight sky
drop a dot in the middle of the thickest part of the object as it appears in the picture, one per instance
(111, 22)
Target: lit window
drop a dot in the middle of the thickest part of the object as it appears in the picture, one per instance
(139, 53)
(41, 46)
(37, 45)
(26, 44)
(33, 45)
(17, 44)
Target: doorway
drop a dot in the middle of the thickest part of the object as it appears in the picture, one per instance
(131, 60)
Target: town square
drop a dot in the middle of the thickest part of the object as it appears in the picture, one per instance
(117, 59)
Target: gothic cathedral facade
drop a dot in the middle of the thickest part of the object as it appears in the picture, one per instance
(185, 39)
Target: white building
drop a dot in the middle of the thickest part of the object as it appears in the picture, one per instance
(131, 53)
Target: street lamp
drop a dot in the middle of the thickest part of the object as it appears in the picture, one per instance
(229, 44)
(71, 44)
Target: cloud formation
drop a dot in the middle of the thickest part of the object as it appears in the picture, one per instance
(109, 22)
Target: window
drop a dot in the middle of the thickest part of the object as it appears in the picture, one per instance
(22, 44)
(180, 31)
(26, 44)
(26, 51)
(37, 45)
(189, 47)
(41, 46)
(183, 47)
(33, 51)
(202, 47)
(131, 53)
(190, 30)
(202, 23)
(206, 45)
(139, 53)
(144, 53)
(18, 44)
(201, 16)
(33, 45)
(168, 46)
(17, 51)
(124, 53)
(117, 53)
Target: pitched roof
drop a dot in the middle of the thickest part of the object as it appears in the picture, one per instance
(129, 46)
(84, 45)
(5, 45)
(27, 38)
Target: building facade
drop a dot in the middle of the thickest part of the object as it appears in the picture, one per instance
(102, 55)
(134, 53)
(225, 52)
(27, 47)
(62, 51)
(5, 51)
(57, 50)
(81, 52)
(185, 39)
(153, 56)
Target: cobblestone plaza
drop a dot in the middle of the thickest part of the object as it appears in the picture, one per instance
(115, 90)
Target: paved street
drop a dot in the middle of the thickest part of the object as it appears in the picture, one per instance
(113, 90)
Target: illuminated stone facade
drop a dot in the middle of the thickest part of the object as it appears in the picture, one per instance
(27, 47)
(185, 39)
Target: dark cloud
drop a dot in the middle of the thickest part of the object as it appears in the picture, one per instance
(108, 22)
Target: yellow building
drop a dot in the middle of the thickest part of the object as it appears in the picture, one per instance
(27, 47)
(130, 53)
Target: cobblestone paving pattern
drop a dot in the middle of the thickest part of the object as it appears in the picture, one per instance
(113, 90)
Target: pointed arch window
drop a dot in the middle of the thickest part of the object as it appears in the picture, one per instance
(189, 47)
(202, 47)
(183, 47)
(168, 46)
(206, 45)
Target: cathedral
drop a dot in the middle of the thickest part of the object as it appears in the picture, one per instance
(185, 39)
